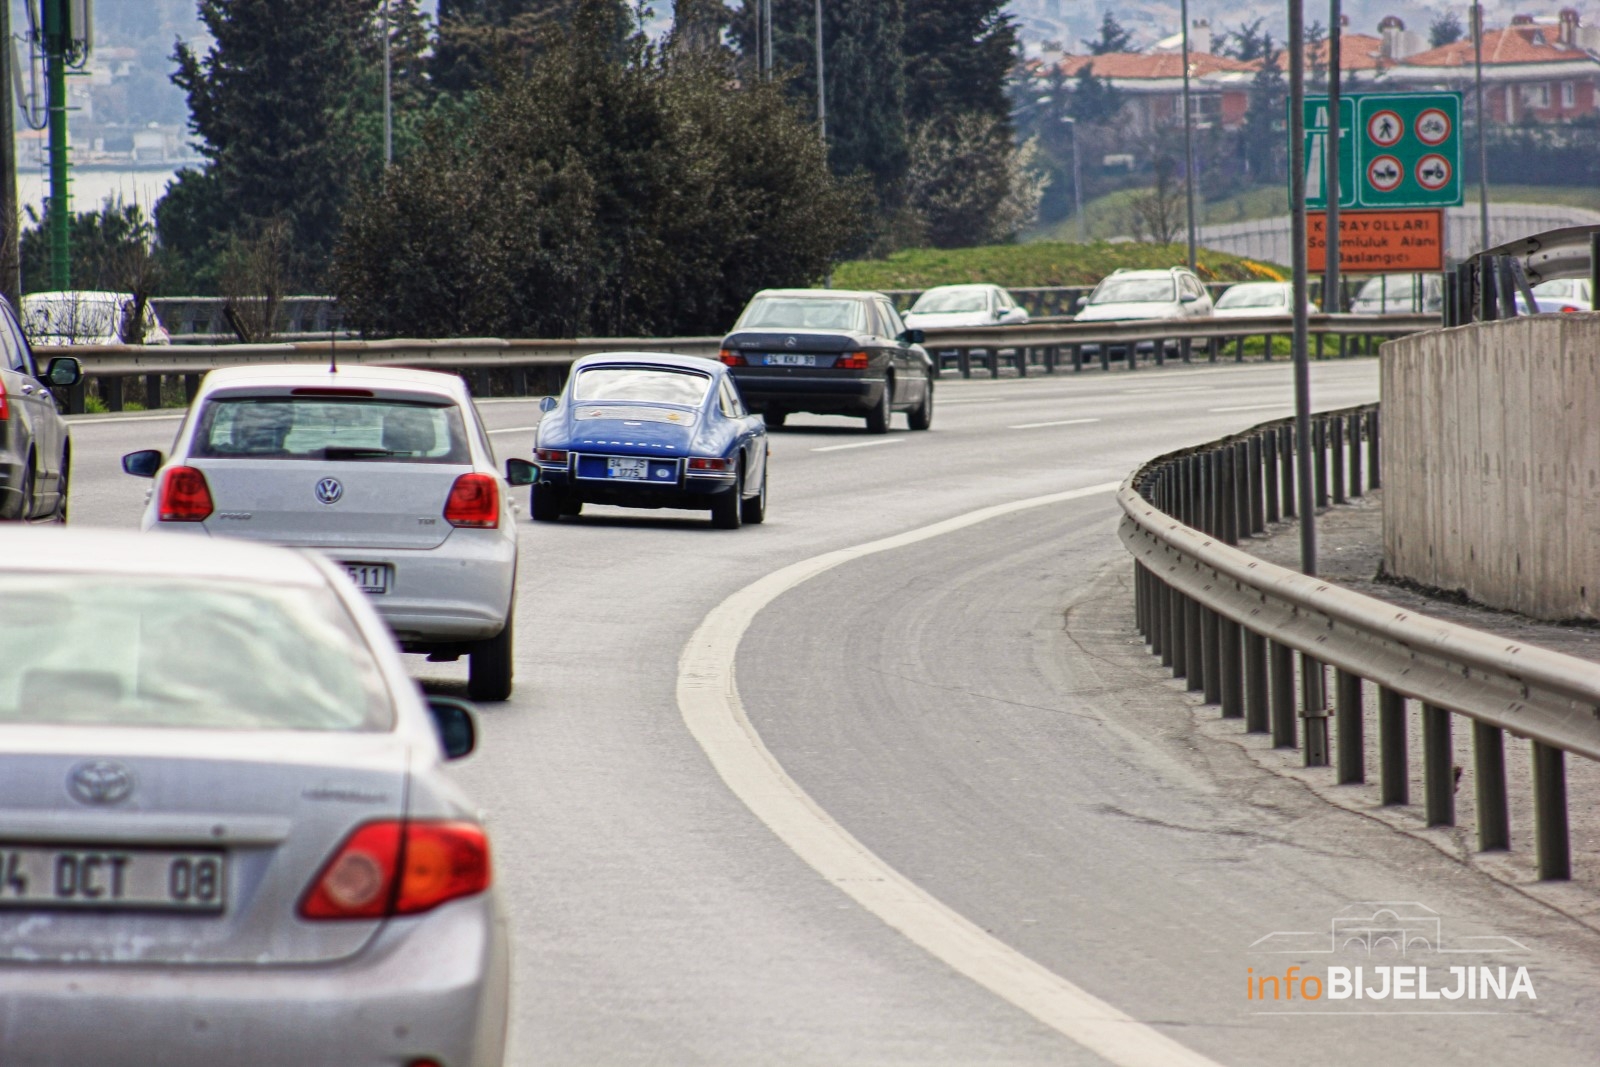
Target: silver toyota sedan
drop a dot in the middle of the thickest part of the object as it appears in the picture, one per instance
(387, 471)
(226, 835)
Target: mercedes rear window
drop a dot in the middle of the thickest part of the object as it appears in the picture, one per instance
(116, 650)
(652, 385)
(330, 428)
(803, 313)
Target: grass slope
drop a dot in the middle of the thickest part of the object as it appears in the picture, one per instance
(1039, 263)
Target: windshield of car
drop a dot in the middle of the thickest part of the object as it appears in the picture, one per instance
(71, 317)
(802, 313)
(943, 301)
(1134, 291)
(320, 427)
(117, 650)
(652, 385)
(1253, 296)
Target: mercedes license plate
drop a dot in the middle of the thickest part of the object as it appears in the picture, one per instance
(371, 577)
(128, 879)
(631, 469)
(790, 359)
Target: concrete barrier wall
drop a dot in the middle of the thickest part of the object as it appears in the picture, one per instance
(1491, 463)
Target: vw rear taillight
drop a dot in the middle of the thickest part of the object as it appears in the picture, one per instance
(731, 358)
(185, 496)
(852, 361)
(399, 868)
(474, 501)
(5, 407)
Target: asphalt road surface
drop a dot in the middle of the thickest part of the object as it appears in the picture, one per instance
(929, 801)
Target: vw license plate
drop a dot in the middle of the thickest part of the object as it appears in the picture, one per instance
(790, 359)
(371, 577)
(630, 469)
(112, 879)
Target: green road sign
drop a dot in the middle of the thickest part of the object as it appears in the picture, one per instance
(1399, 150)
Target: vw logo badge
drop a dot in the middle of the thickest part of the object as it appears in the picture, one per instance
(100, 781)
(329, 491)
(790, 343)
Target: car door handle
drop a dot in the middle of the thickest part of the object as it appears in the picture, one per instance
(27, 390)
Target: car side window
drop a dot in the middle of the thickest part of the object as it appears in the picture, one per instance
(728, 400)
(13, 349)
(891, 319)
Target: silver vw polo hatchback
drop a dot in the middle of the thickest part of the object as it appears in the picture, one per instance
(387, 471)
(226, 834)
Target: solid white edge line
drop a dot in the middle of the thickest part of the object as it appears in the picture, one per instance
(861, 444)
(515, 429)
(1252, 407)
(708, 699)
(1041, 425)
(96, 420)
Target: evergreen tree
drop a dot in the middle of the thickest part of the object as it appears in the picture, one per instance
(958, 54)
(1446, 29)
(1095, 101)
(1113, 38)
(1248, 41)
(1261, 138)
(476, 36)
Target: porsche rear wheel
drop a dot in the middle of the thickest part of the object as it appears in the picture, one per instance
(754, 510)
(727, 509)
(544, 503)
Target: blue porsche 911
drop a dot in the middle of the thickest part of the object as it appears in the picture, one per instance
(650, 430)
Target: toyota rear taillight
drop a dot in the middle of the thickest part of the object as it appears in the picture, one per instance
(399, 868)
(474, 501)
(185, 496)
(731, 358)
(851, 361)
(5, 407)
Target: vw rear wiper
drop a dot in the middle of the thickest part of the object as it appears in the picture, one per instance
(336, 452)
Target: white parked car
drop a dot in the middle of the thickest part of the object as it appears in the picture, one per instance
(1559, 295)
(1399, 294)
(387, 471)
(229, 834)
(965, 305)
(1173, 293)
(86, 317)
(1254, 299)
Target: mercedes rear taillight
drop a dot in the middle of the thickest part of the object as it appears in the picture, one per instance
(399, 868)
(851, 361)
(185, 496)
(474, 501)
(731, 358)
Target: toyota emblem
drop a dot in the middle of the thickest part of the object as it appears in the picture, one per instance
(100, 781)
(329, 491)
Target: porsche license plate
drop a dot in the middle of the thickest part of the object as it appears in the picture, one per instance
(790, 359)
(372, 578)
(114, 879)
(637, 470)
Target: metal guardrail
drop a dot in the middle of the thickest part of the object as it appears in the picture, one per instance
(1230, 624)
(203, 320)
(1486, 286)
(524, 366)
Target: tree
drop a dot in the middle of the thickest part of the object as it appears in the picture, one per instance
(970, 183)
(590, 195)
(476, 37)
(1157, 213)
(1317, 59)
(269, 104)
(1261, 138)
(958, 54)
(1113, 38)
(1445, 29)
(1095, 101)
(1246, 42)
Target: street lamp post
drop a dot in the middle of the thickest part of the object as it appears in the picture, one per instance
(1483, 155)
(1330, 281)
(1188, 136)
(1077, 184)
(388, 105)
(822, 99)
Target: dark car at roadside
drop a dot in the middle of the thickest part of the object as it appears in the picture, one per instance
(830, 352)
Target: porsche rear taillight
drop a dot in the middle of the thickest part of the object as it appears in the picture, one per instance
(185, 496)
(399, 868)
(550, 455)
(699, 464)
(731, 358)
(851, 361)
(474, 501)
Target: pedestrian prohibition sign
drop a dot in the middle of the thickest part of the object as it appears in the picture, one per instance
(1397, 150)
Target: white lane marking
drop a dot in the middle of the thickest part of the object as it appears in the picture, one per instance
(1041, 425)
(1253, 407)
(1160, 389)
(96, 420)
(515, 429)
(708, 699)
(861, 444)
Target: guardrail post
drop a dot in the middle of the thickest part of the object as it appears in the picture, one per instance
(1138, 599)
(1077, 359)
(964, 361)
(1286, 446)
(1228, 641)
(111, 391)
(1269, 479)
(1173, 653)
(1105, 356)
(1255, 682)
(1552, 846)
(1350, 738)
(191, 386)
(1194, 645)
(1392, 755)
(1487, 312)
(1052, 358)
(1336, 450)
(1160, 353)
(1489, 782)
(1357, 423)
(1238, 350)
(1374, 425)
(992, 360)
(1319, 461)
(1280, 661)
(1227, 497)
(152, 391)
(1241, 489)
(1438, 768)
(1211, 655)
(1314, 710)
(1258, 509)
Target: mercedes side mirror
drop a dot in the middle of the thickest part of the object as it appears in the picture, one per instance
(64, 372)
(547, 403)
(143, 464)
(521, 472)
(913, 336)
(458, 736)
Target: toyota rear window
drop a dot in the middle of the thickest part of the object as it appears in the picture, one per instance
(330, 428)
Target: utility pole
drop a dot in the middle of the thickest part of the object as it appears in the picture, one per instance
(764, 45)
(1483, 154)
(1330, 281)
(388, 96)
(1077, 186)
(1188, 138)
(10, 216)
(822, 96)
(58, 41)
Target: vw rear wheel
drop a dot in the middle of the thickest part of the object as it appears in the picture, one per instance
(490, 667)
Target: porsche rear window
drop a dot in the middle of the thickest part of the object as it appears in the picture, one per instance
(652, 385)
(116, 650)
(348, 428)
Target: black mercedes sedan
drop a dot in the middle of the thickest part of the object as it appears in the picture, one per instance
(830, 352)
